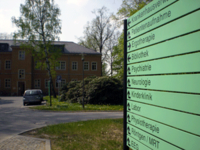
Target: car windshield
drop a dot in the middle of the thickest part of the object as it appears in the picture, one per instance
(29, 93)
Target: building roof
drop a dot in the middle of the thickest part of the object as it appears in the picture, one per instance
(69, 47)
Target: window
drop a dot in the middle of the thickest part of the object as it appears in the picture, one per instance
(36, 65)
(7, 83)
(8, 64)
(74, 65)
(37, 83)
(94, 66)
(61, 65)
(86, 66)
(21, 74)
(46, 83)
(63, 82)
(21, 55)
(33, 92)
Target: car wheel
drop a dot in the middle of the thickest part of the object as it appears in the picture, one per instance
(24, 103)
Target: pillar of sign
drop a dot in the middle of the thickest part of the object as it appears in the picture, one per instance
(162, 77)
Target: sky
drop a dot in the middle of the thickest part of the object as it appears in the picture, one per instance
(74, 15)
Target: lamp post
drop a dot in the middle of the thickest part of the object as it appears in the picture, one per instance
(83, 78)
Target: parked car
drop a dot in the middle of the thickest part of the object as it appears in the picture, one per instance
(32, 96)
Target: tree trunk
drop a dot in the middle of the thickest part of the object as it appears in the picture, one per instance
(49, 72)
(53, 90)
(111, 71)
(47, 61)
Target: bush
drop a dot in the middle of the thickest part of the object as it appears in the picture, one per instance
(67, 88)
(105, 90)
(98, 90)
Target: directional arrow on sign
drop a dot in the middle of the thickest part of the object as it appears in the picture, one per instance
(129, 119)
(129, 57)
(129, 82)
(129, 70)
(128, 94)
(128, 142)
(129, 46)
(129, 22)
(129, 131)
(129, 107)
(129, 34)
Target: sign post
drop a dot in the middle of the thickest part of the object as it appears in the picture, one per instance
(125, 147)
(49, 90)
(162, 76)
(58, 80)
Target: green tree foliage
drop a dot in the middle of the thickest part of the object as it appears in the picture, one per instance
(104, 71)
(118, 53)
(38, 27)
(127, 9)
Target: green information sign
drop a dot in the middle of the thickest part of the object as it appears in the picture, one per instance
(172, 12)
(135, 144)
(148, 139)
(183, 63)
(176, 101)
(166, 32)
(157, 129)
(168, 117)
(162, 76)
(179, 83)
(147, 11)
(180, 45)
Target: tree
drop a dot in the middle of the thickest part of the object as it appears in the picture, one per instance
(109, 47)
(118, 54)
(98, 32)
(105, 72)
(39, 26)
(127, 9)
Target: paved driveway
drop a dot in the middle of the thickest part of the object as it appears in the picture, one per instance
(16, 118)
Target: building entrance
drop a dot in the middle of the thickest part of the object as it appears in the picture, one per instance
(21, 88)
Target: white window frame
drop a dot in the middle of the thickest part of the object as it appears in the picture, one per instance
(60, 65)
(46, 83)
(62, 83)
(21, 54)
(38, 85)
(88, 66)
(92, 66)
(6, 64)
(20, 73)
(6, 83)
(76, 65)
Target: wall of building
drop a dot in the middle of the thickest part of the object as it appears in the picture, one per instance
(24, 64)
(5, 73)
(32, 74)
(69, 74)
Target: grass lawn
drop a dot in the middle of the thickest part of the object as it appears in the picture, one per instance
(104, 134)
(64, 106)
